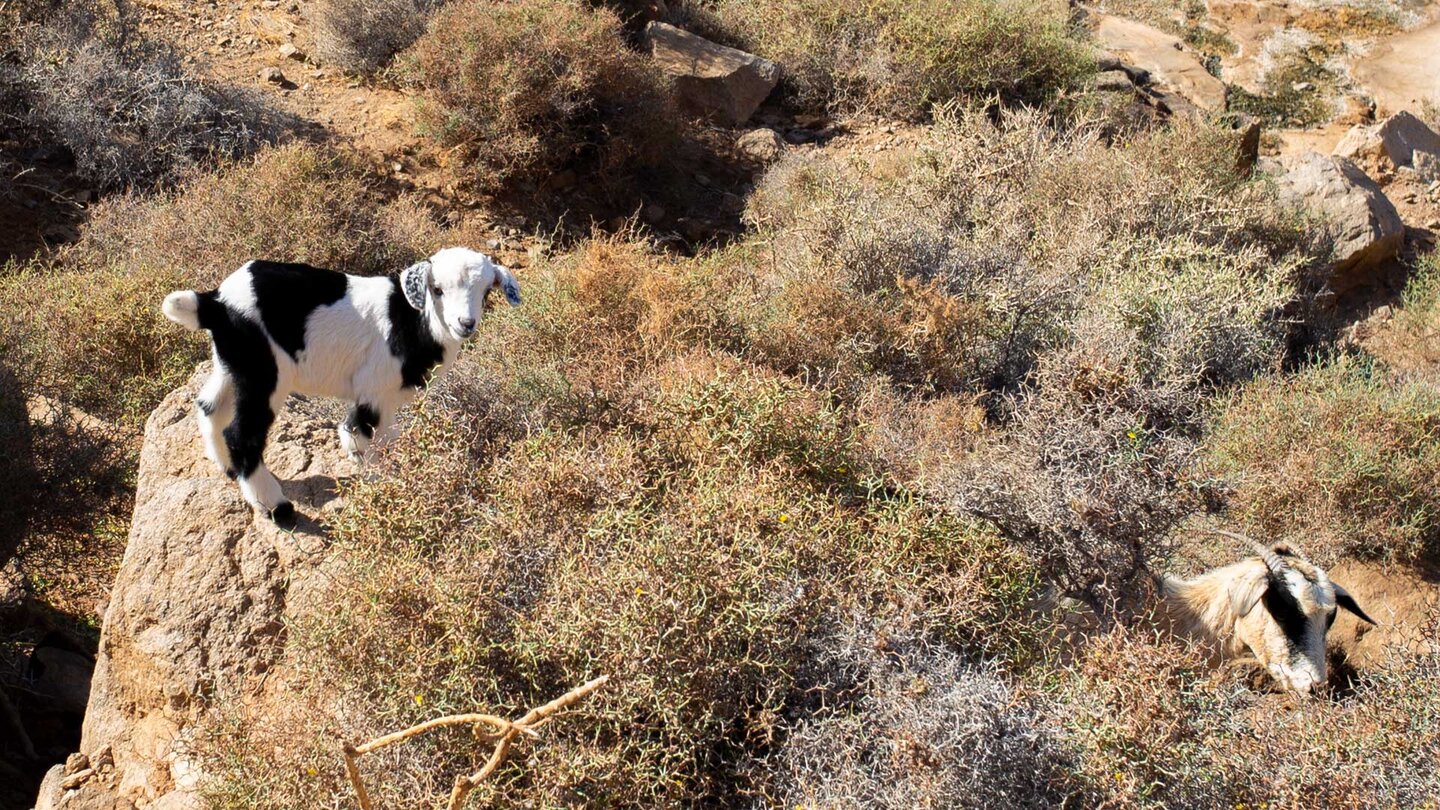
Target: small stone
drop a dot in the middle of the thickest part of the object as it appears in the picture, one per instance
(493, 244)
(1302, 87)
(732, 203)
(397, 167)
(1114, 81)
(76, 763)
(289, 51)
(269, 5)
(272, 75)
(702, 179)
(761, 145)
(358, 100)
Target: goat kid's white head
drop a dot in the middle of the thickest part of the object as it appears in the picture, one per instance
(1285, 605)
(453, 285)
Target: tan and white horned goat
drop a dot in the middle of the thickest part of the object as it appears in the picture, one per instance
(1277, 604)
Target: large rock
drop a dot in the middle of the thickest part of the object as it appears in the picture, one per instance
(1402, 72)
(197, 612)
(1368, 230)
(1397, 140)
(1163, 56)
(721, 83)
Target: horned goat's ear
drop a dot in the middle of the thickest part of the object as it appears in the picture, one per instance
(1345, 600)
(507, 284)
(413, 281)
(1246, 590)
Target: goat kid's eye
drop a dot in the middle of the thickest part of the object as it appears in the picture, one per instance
(437, 292)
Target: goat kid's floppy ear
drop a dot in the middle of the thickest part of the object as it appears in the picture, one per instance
(1345, 600)
(1245, 591)
(506, 282)
(413, 281)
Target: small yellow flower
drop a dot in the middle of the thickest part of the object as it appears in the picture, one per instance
(311, 770)
(784, 518)
(639, 591)
(419, 700)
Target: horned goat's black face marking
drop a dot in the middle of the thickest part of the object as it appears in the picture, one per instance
(1286, 611)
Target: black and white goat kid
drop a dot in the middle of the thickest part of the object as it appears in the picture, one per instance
(280, 328)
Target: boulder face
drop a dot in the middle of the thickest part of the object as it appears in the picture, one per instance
(1368, 230)
(1163, 57)
(1400, 140)
(197, 613)
(718, 82)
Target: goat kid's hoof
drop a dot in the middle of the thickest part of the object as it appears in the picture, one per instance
(284, 515)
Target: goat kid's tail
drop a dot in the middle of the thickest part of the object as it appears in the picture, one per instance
(183, 307)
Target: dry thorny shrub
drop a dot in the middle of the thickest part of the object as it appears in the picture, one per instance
(363, 35)
(695, 551)
(1339, 457)
(1091, 299)
(897, 58)
(121, 103)
(915, 725)
(522, 90)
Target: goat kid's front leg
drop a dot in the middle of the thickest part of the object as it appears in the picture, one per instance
(358, 430)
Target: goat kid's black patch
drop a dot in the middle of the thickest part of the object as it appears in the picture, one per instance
(410, 339)
(286, 294)
(363, 419)
(1286, 612)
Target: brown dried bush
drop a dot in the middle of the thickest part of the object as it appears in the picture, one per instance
(522, 90)
(1152, 725)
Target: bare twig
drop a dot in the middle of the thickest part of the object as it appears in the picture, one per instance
(502, 731)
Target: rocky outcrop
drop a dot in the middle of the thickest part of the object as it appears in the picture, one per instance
(197, 613)
(1400, 140)
(1368, 230)
(1163, 57)
(720, 83)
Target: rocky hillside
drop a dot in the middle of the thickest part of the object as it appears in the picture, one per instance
(874, 357)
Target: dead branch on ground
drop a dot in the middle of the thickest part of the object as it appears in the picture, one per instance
(486, 727)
